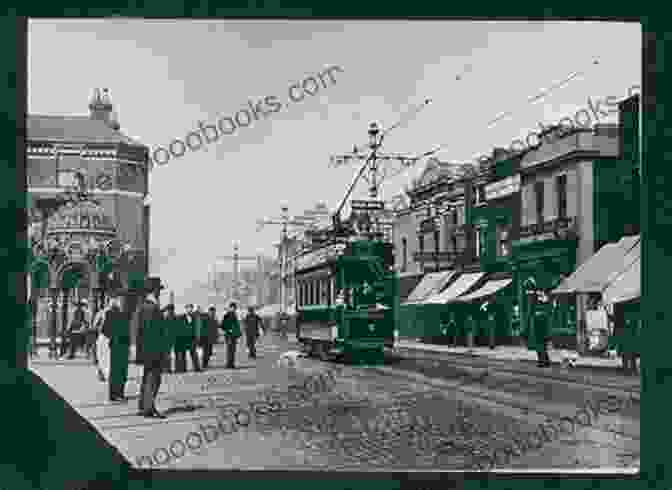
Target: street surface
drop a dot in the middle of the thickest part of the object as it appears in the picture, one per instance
(373, 418)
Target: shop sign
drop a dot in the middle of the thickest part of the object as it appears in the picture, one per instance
(501, 188)
(318, 256)
(361, 205)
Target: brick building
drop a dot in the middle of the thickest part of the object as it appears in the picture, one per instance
(85, 155)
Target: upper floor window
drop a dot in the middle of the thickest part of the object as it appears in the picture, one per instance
(404, 254)
(503, 248)
(437, 237)
(539, 201)
(561, 194)
(421, 243)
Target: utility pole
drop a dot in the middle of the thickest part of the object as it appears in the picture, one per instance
(373, 172)
(236, 258)
(284, 221)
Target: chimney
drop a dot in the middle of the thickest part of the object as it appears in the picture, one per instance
(100, 107)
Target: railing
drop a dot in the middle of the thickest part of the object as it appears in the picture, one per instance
(559, 227)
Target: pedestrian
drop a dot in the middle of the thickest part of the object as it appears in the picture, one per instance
(91, 336)
(102, 345)
(452, 330)
(231, 327)
(254, 325)
(116, 327)
(78, 326)
(156, 341)
(173, 327)
(538, 335)
(190, 339)
(470, 330)
(209, 334)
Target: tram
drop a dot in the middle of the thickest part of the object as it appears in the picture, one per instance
(347, 300)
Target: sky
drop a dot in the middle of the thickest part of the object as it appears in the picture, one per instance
(165, 76)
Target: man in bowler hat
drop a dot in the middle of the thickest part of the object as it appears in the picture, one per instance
(155, 340)
(116, 328)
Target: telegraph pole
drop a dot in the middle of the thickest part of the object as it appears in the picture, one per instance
(284, 221)
(372, 171)
(236, 258)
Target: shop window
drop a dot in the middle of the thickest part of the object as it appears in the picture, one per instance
(561, 194)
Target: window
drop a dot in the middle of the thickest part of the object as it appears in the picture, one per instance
(404, 254)
(437, 237)
(561, 192)
(503, 240)
(453, 239)
(539, 201)
(421, 243)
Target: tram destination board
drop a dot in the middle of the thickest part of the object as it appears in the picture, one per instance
(360, 205)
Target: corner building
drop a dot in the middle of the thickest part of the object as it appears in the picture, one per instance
(115, 170)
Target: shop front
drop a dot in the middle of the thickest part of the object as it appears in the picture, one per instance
(546, 263)
(490, 306)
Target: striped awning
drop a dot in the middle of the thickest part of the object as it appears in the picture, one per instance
(488, 289)
(597, 272)
(430, 285)
(459, 287)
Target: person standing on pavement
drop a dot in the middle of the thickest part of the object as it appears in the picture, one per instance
(254, 325)
(191, 336)
(209, 334)
(78, 326)
(102, 344)
(173, 326)
(471, 330)
(156, 342)
(231, 327)
(116, 327)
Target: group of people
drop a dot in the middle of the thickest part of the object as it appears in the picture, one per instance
(162, 337)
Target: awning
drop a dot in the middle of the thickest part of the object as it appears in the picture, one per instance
(431, 284)
(595, 273)
(626, 286)
(460, 286)
(489, 288)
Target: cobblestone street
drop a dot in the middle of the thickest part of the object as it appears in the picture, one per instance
(370, 418)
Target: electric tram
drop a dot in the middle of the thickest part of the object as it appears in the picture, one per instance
(347, 300)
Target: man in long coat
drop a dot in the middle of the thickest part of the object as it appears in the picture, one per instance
(231, 327)
(156, 341)
(116, 327)
(191, 333)
(253, 326)
(209, 334)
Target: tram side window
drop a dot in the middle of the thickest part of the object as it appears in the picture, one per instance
(301, 295)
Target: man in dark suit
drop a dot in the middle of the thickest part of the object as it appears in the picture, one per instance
(155, 340)
(116, 328)
(190, 330)
(253, 326)
(209, 334)
(231, 327)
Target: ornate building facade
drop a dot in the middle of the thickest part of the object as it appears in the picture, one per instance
(89, 219)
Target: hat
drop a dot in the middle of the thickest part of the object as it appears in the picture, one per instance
(169, 306)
